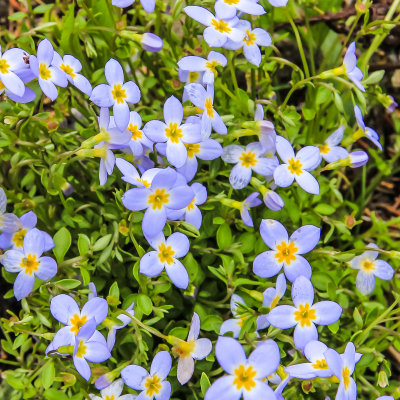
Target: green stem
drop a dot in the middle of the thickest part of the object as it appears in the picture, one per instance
(144, 326)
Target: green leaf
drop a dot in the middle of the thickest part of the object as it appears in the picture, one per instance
(204, 383)
(375, 77)
(102, 243)
(48, 374)
(17, 16)
(324, 209)
(69, 283)
(83, 244)
(62, 241)
(308, 114)
(224, 236)
(144, 303)
(358, 318)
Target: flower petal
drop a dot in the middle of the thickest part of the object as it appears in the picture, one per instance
(82, 367)
(383, 270)
(153, 221)
(327, 312)
(178, 274)
(299, 267)
(282, 317)
(136, 199)
(23, 285)
(133, 376)
(179, 243)
(302, 292)
(306, 238)
(150, 264)
(161, 364)
(203, 348)
(229, 353)
(282, 176)
(307, 182)
(114, 72)
(265, 359)
(304, 334)
(47, 268)
(96, 308)
(173, 111)
(96, 352)
(273, 233)
(266, 265)
(240, 176)
(176, 153)
(260, 391)
(180, 197)
(223, 389)
(185, 369)
(365, 282)
(284, 149)
(63, 307)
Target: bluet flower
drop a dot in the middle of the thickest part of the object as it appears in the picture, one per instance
(271, 297)
(304, 314)
(166, 256)
(358, 158)
(8, 222)
(72, 66)
(330, 151)
(113, 392)
(249, 202)
(234, 324)
(191, 213)
(245, 375)
(273, 201)
(15, 239)
(11, 62)
(162, 194)
(190, 350)
(89, 347)
(203, 99)
(342, 367)
(393, 104)
(250, 42)
(218, 30)
(368, 268)
(286, 252)
(48, 75)
(27, 97)
(66, 310)
(350, 66)
(207, 67)
(173, 132)
(267, 134)
(151, 42)
(116, 94)
(148, 5)
(297, 167)
(228, 8)
(247, 160)
(29, 263)
(125, 320)
(151, 385)
(131, 175)
(366, 131)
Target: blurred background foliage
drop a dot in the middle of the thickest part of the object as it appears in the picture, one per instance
(94, 233)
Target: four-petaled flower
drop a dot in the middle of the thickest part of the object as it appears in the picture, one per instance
(29, 263)
(166, 191)
(285, 251)
(246, 376)
(173, 132)
(297, 167)
(366, 131)
(166, 256)
(350, 67)
(330, 151)
(190, 350)
(12, 62)
(304, 314)
(116, 94)
(369, 267)
(152, 385)
(247, 160)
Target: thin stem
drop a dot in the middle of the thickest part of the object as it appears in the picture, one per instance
(144, 326)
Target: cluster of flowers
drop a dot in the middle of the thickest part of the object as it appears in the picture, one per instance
(166, 193)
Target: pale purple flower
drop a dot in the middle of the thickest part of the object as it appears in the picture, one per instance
(9, 222)
(228, 8)
(151, 385)
(267, 133)
(124, 321)
(350, 67)
(131, 175)
(273, 201)
(358, 158)
(368, 132)
(330, 151)
(304, 314)
(116, 94)
(151, 42)
(286, 252)
(249, 202)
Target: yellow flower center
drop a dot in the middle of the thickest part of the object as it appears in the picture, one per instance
(211, 65)
(193, 76)
(191, 205)
(118, 94)
(295, 166)
(2, 87)
(173, 133)
(248, 159)
(242, 321)
(44, 72)
(152, 385)
(18, 237)
(192, 149)
(136, 133)
(81, 349)
(158, 199)
(324, 148)
(108, 397)
(286, 252)
(368, 266)
(4, 66)
(274, 302)
(68, 70)
(320, 364)
(209, 107)
(165, 253)
(77, 322)
(220, 25)
(184, 349)
(305, 315)
(250, 38)
(100, 152)
(244, 378)
(346, 377)
(145, 183)
(29, 264)
(230, 2)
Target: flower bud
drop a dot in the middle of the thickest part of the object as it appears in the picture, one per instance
(151, 42)
(358, 158)
(104, 380)
(382, 379)
(273, 201)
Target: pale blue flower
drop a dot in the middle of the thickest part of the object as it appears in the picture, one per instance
(218, 30)
(166, 256)
(228, 8)
(368, 268)
(245, 376)
(151, 385)
(151, 42)
(247, 160)
(358, 158)
(297, 167)
(131, 175)
(9, 222)
(48, 75)
(148, 5)
(278, 3)
(330, 151)
(350, 66)
(286, 252)
(368, 132)
(124, 321)
(234, 324)
(113, 392)
(273, 201)
(116, 94)
(207, 67)
(267, 133)
(29, 263)
(249, 202)
(304, 314)
(173, 132)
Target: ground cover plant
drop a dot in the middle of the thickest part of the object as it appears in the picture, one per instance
(199, 199)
